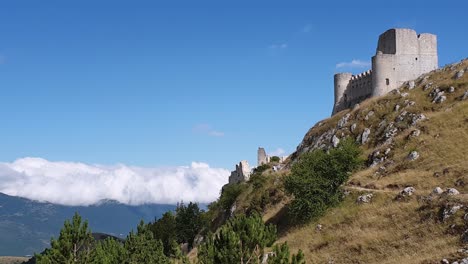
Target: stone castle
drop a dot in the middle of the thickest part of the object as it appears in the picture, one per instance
(264, 158)
(401, 56)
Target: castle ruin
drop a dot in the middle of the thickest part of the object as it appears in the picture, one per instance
(401, 56)
(264, 158)
(241, 173)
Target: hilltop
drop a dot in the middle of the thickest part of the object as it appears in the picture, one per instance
(409, 203)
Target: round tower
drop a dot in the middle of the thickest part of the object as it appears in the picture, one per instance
(341, 83)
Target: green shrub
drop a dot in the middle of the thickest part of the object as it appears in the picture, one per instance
(229, 195)
(275, 159)
(239, 240)
(316, 178)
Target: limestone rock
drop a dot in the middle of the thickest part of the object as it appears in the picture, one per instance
(335, 141)
(397, 107)
(404, 94)
(318, 227)
(356, 106)
(464, 96)
(343, 120)
(417, 118)
(459, 74)
(408, 191)
(451, 192)
(365, 135)
(369, 115)
(415, 133)
(414, 155)
(451, 210)
(366, 198)
(387, 151)
(451, 89)
(411, 85)
(353, 127)
(437, 190)
(439, 98)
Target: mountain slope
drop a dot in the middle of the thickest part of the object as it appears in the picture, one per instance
(423, 227)
(26, 226)
(415, 136)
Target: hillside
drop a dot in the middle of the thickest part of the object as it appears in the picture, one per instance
(26, 226)
(416, 136)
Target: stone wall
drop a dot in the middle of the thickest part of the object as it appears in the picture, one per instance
(401, 56)
(351, 89)
(241, 173)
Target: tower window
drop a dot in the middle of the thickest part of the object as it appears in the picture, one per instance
(416, 58)
(387, 81)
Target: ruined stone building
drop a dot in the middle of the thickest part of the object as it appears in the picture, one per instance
(264, 158)
(241, 173)
(401, 55)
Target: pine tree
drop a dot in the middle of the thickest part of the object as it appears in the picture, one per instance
(72, 246)
(281, 255)
(141, 247)
(189, 222)
(108, 251)
(241, 240)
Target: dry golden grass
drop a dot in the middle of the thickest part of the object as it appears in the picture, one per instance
(386, 230)
(12, 260)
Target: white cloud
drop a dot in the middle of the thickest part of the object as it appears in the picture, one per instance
(354, 64)
(72, 183)
(278, 152)
(207, 130)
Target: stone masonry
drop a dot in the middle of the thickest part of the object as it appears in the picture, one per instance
(401, 56)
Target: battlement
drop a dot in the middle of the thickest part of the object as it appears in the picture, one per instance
(401, 55)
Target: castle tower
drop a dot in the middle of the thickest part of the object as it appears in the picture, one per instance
(262, 157)
(402, 55)
(341, 82)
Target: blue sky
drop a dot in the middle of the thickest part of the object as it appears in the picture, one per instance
(167, 83)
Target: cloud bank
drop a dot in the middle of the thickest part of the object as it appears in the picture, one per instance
(71, 183)
(354, 64)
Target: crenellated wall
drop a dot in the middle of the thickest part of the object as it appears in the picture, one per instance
(351, 89)
(401, 55)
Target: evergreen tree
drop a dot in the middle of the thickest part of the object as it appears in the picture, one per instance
(189, 222)
(165, 229)
(241, 240)
(281, 255)
(141, 247)
(109, 251)
(72, 246)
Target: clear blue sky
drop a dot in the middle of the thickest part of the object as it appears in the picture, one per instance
(165, 83)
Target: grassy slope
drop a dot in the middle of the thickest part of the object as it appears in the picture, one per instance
(386, 230)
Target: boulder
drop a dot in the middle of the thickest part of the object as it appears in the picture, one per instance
(365, 135)
(414, 155)
(451, 89)
(459, 74)
(418, 118)
(408, 191)
(335, 141)
(464, 96)
(353, 127)
(451, 192)
(411, 85)
(397, 107)
(404, 94)
(437, 190)
(369, 115)
(439, 98)
(342, 122)
(366, 198)
(415, 133)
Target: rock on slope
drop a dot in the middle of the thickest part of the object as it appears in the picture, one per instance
(417, 137)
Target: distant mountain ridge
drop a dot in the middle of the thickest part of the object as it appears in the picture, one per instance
(26, 226)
